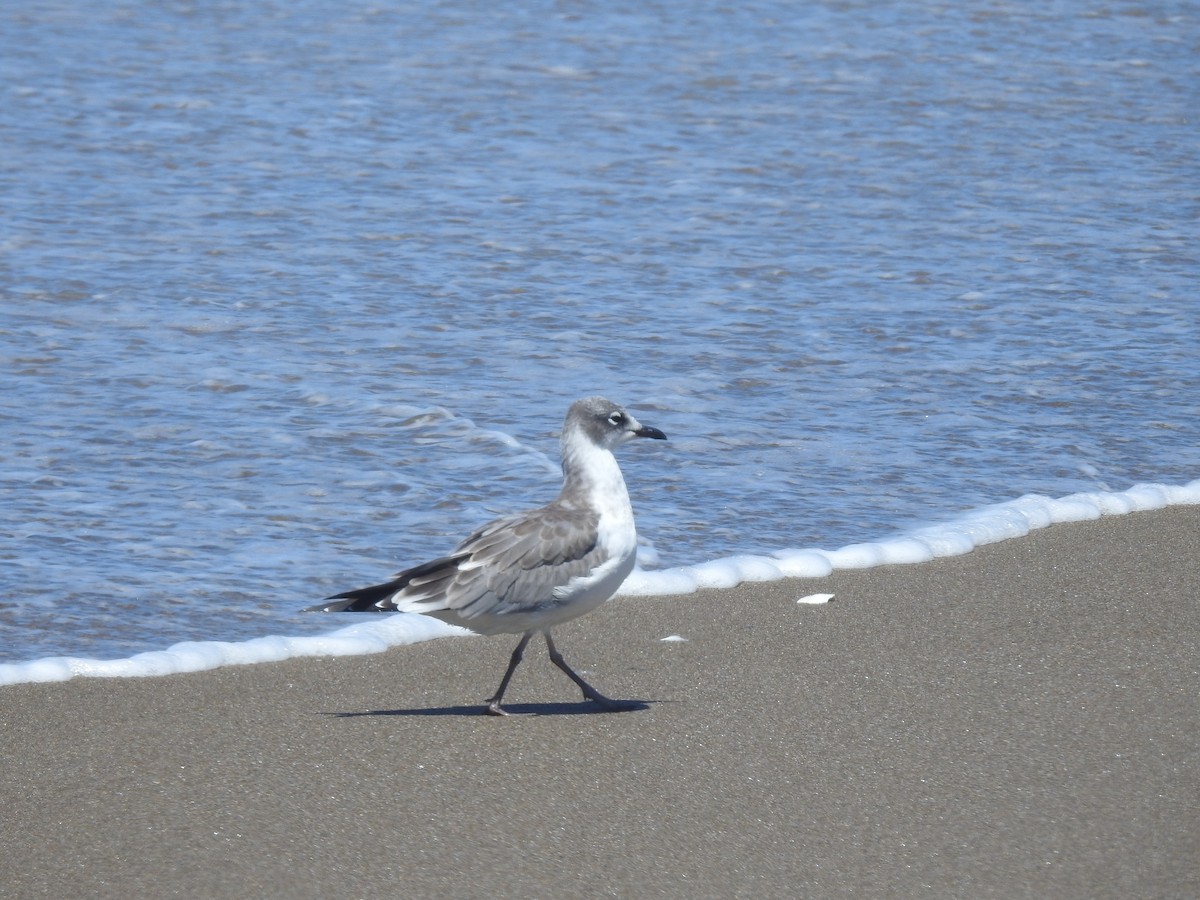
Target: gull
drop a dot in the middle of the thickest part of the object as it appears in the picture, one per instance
(526, 573)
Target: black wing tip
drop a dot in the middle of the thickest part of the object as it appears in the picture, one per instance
(368, 599)
(377, 597)
(327, 606)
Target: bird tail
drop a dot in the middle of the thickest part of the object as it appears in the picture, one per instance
(382, 597)
(361, 600)
(368, 599)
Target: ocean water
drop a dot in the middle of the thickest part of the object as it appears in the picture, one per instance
(295, 295)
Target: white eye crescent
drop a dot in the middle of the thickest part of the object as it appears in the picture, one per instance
(617, 418)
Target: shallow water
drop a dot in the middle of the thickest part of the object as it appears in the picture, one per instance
(294, 295)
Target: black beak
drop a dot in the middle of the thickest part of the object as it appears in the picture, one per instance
(647, 431)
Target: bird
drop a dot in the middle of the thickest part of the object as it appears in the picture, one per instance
(526, 573)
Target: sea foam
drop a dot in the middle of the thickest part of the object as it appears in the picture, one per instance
(999, 522)
(373, 635)
(987, 525)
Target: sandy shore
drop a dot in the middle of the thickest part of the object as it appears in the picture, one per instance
(1023, 721)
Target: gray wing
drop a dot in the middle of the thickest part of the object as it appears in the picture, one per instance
(508, 566)
(515, 564)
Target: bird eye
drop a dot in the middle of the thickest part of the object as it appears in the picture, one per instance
(617, 418)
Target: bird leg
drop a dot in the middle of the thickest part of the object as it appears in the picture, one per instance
(493, 703)
(588, 691)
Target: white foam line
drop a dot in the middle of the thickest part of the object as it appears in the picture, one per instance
(373, 635)
(962, 535)
(376, 634)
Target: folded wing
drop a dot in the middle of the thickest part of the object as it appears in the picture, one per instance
(511, 565)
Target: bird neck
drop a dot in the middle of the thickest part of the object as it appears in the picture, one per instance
(591, 473)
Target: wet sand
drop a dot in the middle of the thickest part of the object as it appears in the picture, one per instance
(1021, 721)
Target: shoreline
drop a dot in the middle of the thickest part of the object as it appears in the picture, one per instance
(1007, 520)
(1018, 721)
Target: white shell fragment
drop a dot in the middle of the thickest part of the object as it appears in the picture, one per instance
(816, 598)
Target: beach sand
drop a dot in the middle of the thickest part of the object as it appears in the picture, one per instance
(1021, 721)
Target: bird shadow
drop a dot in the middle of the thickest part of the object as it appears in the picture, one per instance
(582, 708)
